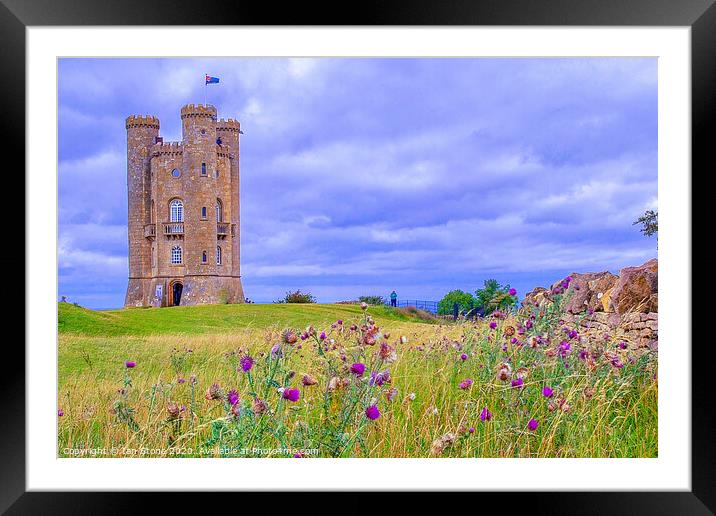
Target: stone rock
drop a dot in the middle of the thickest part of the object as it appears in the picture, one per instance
(586, 291)
(636, 289)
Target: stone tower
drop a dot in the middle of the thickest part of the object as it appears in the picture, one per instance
(183, 202)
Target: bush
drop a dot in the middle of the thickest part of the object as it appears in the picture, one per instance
(464, 300)
(372, 300)
(494, 296)
(297, 297)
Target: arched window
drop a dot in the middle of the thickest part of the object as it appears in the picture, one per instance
(219, 214)
(203, 257)
(176, 211)
(176, 254)
(218, 255)
(151, 213)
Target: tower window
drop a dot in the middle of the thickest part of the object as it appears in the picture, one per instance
(219, 214)
(218, 255)
(203, 257)
(203, 169)
(176, 172)
(176, 255)
(176, 211)
(216, 172)
(203, 212)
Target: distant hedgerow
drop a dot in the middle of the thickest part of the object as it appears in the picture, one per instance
(297, 296)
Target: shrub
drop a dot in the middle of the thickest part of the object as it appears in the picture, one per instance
(372, 300)
(297, 296)
(464, 300)
(494, 296)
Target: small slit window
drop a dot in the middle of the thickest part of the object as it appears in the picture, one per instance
(218, 255)
(203, 212)
(203, 169)
(203, 257)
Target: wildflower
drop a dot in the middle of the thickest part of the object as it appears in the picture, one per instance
(485, 415)
(364, 306)
(258, 406)
(441, 443)
(276, 351)
(617, 363)
(504, 372)
(289, 337)
(411, 396)
(180, 380)
(547, 392)
(509, 331)
(236, 411)
(518, 383)
(403, 339)
(232, 397)
(129, 364)
(622, 345)
(246, 363)
(193, 379)
(513, 292)
(528, 324)
(60, 412)
(588, 392)
(471, 430)
(532, 425)
(493, 325)
(339, 322)
(391, 393)
(308, 380)
(379, 378)
(463, 357)
(291, 394)
(372, 412)
(583, 354)
(573, 334)
(466, 383)
(213, 392)
(173, 409)
(369, 340)
(358, 369)
(387, 353)
(322, 336)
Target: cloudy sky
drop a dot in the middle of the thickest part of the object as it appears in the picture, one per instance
(359, 176)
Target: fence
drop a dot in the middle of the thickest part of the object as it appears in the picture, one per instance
(428, 306)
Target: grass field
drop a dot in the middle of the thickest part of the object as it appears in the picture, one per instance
(428, 389)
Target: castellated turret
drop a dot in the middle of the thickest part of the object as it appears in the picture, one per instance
(183, 200)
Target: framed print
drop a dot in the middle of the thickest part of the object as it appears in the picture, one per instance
(422, 240)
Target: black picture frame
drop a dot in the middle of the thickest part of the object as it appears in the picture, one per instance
(700, 15)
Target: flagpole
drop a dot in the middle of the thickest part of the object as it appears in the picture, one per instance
(205, 89)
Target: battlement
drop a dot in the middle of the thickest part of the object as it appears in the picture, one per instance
(167, 148)
(228, 124)
(142, 121)
(198, 110)
(224, 151)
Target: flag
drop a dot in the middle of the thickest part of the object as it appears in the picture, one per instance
(211, 80)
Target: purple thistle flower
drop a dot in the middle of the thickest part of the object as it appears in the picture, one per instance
(532, 425)
(518, 383)
(617, 363)
(323, 335)
(471, 429)
(129, 364)
(547, 392)
(339, 321)
(463, 357)
(232, 397)
(379, 378)
(622, 345)
(485, 415)
(466, 383)
(246, 363)
(573, 334)
(60, 412)
(372, 412)
(528, 324)
(493, 325)
(181, 380)
(291, 394)
(276, 351)
(358, 369)
(513, 292)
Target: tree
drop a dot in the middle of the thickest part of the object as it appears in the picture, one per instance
(464, 300)
(494, 296)
(649, 223)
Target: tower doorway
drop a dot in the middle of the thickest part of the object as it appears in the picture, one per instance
(176, 291)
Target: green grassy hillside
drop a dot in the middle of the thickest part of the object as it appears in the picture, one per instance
(194, 320)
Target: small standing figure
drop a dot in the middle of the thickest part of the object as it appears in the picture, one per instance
(393, 299)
